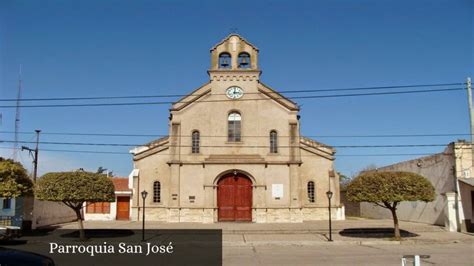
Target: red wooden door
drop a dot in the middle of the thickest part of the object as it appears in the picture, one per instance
(123, 208)
(234, 198)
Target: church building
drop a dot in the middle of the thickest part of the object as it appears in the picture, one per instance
(234, 153)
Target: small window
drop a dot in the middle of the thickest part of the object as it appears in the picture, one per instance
(311, 191)
(98, 207)
(7, 203)
(225, 61)
(244, 60)
(234, 122)
(195, 142)
(273, 142)
(157, 192)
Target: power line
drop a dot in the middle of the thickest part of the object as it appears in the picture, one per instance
(379, 87)
(255, 99)
(391, 135)
(183, 95)
(231, 146)
(92, 134)
(340, 155)
(391, 154)
(77, 151)
(243, 136)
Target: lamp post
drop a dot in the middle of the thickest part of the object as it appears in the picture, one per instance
(329, 194)
(144, 194)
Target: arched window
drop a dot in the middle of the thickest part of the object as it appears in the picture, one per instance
(233, 124)
(225, 60)
(195, 142)
(311, 197)
(157, 191)
(244, 60)
(273, 141)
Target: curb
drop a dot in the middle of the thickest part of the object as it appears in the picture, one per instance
(338, 242)
(305, 231)
(307, 243)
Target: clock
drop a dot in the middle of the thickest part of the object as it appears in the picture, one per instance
(234, 92)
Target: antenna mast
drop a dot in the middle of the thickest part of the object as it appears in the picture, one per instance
(17, 117)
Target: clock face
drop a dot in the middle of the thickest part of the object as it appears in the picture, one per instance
(234, 92)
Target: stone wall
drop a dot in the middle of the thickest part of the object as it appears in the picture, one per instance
(351, 208)
(259, 215)
(48, 213)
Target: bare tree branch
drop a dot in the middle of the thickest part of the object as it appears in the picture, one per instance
(387, 204)
(378, 204)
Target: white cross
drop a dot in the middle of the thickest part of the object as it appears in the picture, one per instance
(234, 43)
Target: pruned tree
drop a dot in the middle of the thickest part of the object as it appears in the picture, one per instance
(75, 188)
(388, 189)
(14, 180)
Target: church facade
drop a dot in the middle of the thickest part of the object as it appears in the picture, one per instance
(234, 153)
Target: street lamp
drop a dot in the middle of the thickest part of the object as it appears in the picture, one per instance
(144, 194)
(329, 194)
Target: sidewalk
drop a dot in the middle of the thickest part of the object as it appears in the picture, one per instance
(307, 233)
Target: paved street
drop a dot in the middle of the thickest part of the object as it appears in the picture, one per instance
(347, 254)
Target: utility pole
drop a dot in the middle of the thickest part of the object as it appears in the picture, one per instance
(35, 171)
(471, 116)
(34, 154)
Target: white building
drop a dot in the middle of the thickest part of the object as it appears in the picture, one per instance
(117, 210)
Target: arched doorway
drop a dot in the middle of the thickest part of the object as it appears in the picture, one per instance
(234, 198)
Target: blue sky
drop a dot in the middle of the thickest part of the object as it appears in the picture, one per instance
(101, 48)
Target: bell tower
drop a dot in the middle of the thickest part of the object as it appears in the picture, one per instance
(234, 54)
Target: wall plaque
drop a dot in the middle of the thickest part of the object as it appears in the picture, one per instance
(277, 190)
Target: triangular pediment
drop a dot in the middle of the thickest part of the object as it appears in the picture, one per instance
(226, 39)
(262, 88)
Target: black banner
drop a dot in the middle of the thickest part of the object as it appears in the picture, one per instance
(114, 247)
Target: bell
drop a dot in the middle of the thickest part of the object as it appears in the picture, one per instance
(224, 63)
(244, 61)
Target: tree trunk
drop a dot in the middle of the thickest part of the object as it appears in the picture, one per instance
(82, 235)
(395, 223)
